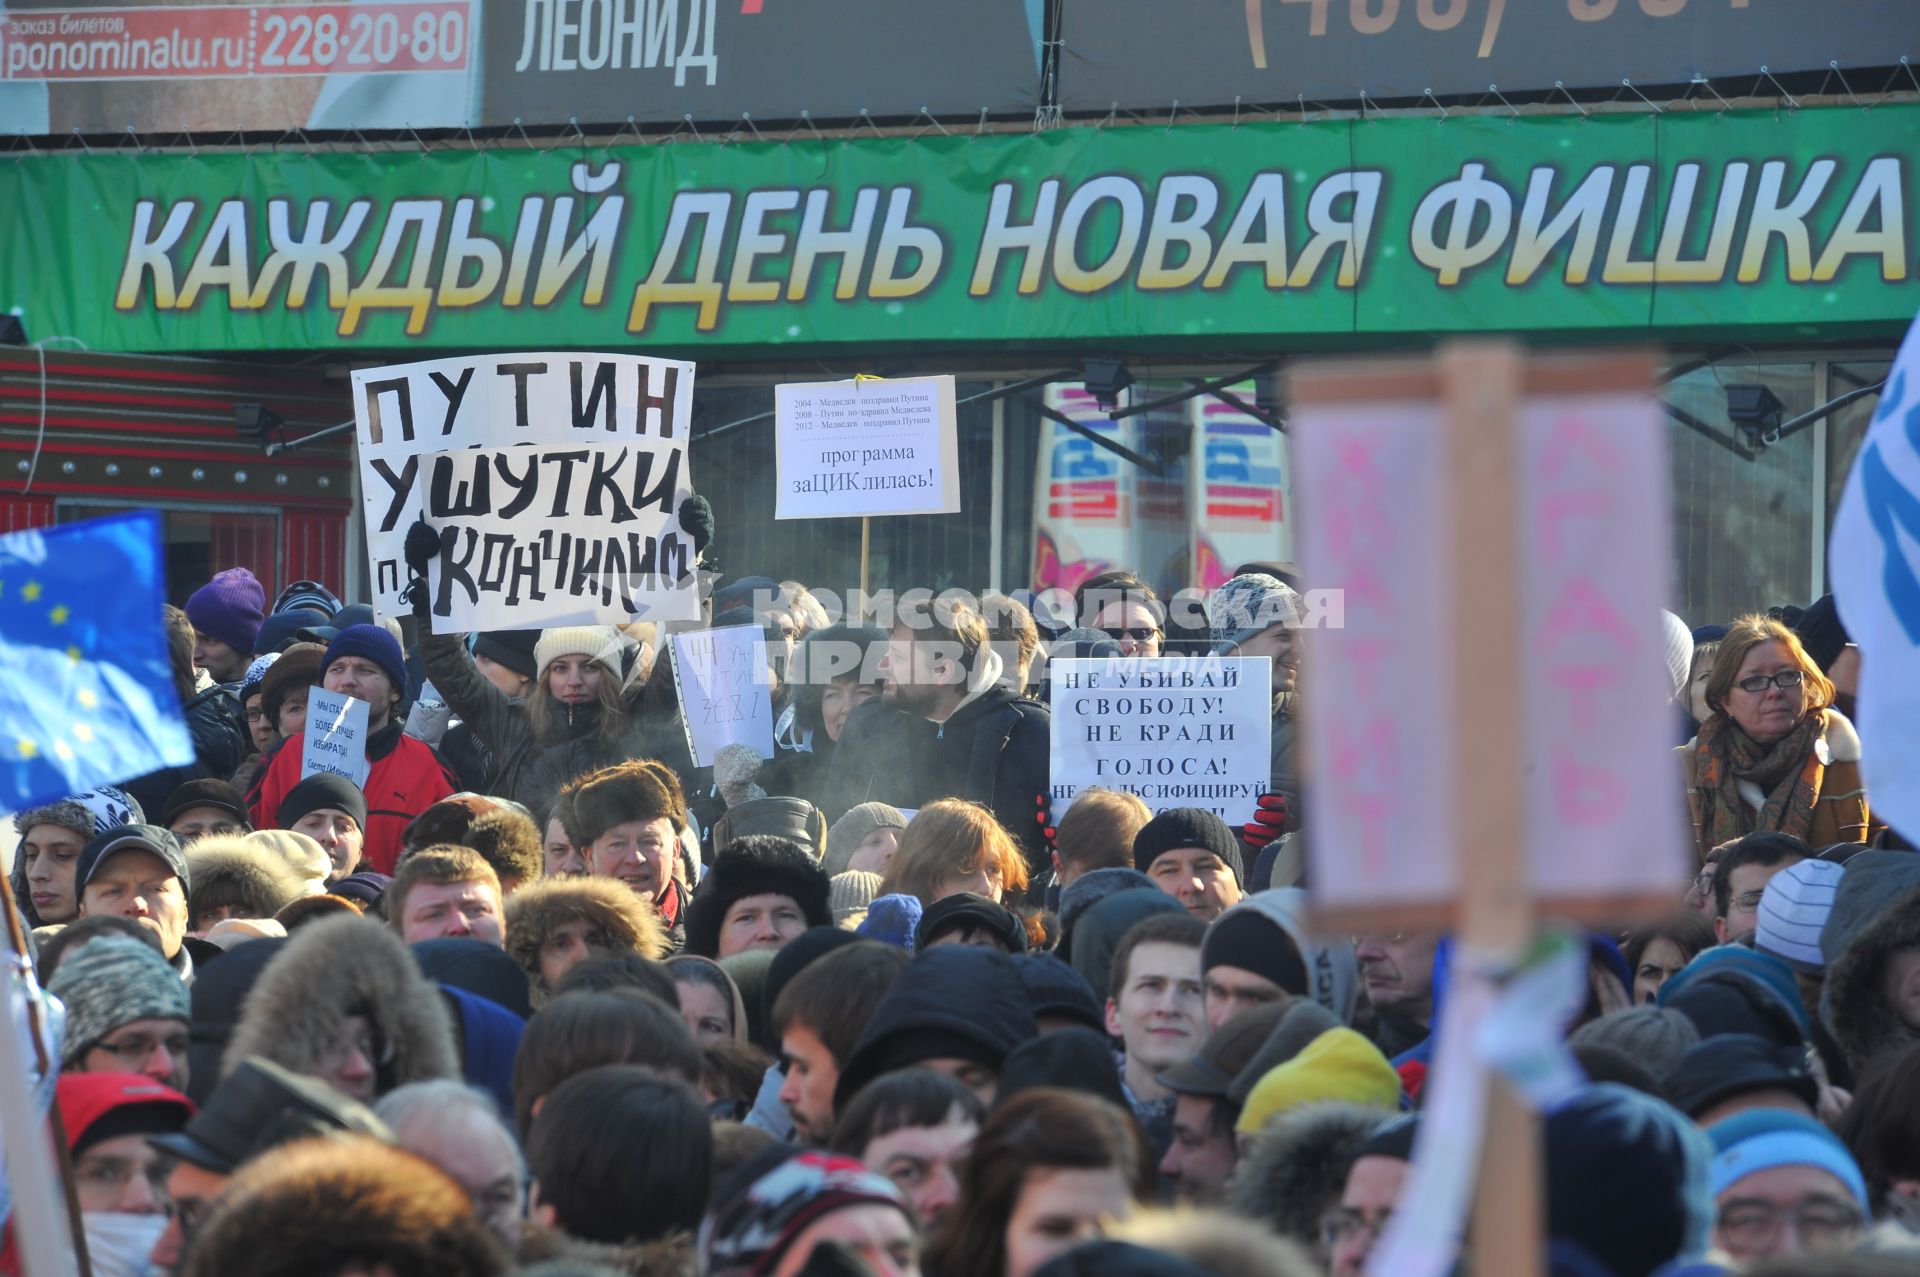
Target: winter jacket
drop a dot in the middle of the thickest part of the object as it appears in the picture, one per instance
(405, 779)
(951, 1001)
(489, 1037)
(296, 1012)
(220, 744)
(1840, 813)
(1298, 1166)
(1854, 1004)
(994, 749)
(674, 1255)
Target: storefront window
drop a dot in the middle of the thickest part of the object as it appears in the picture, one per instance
(202, 542)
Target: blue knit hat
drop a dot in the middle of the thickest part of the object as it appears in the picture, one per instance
(373, 643)
(892, 920)
(1760, 1139)
(230, 608)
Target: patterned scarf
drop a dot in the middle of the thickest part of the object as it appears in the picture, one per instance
(1789, 772)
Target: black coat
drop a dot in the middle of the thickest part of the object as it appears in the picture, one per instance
(220, 744)
(995, 749)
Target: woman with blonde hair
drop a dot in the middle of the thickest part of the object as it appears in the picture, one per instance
(1773, 754)
(951, 846)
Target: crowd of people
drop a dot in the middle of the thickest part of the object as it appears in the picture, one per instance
(543, 996)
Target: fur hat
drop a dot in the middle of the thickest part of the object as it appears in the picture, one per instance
(1298, 1166)
(602, 643)
(534, 911)
(638, 790)
(753, 866)
(506, 839)
(230, 608)
(852, 829)
(232, 872)
(301, 853)
(88, 814)
(299, 666)
(111, 981)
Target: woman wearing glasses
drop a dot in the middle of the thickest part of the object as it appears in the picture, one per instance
(1773, 754)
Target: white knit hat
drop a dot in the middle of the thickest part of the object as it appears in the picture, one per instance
(1677, 639)
(599, 642)
(1793, 911)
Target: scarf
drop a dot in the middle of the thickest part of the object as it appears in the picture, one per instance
(1789, 772)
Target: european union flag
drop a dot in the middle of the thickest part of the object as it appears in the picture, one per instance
(86, 686)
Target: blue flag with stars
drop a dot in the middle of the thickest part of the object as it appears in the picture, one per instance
(86, 685)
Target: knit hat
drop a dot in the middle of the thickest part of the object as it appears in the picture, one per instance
(1056, 991)
(601, 643)
(373, 643)
(511, 648)
(210, 792)
(1677, 642)
(1655, 1036)
(112, 981)
(1071, 1059)
(1248, 605)
(756, 866)
(301, 853)
(967, 911)
(1822, 633)
(91, 812)
(1793, 909)
(1626, 1180)
(1759, 1139)
(365, 887)
(256, 673)
(765, 1205)
(852, 829)
(1185, 827)
(1250, 940)
(893, 920)
(105, 1106)
(1225, 1054)
(148, 838)
(850, 893)
(281, 629)
(323, 791)
(308, 594)
(1337, 1065)
(300, 666)
(1733, 1064)
(1736, 961)
(230, 608)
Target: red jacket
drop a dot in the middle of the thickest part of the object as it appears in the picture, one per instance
(406, 778)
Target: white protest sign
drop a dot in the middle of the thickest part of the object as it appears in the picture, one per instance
(1378, 689)
(336, 736)
(870, 446)
(1875, 558)
(725, 696)
(1605, 815)
(1176, 731)
(414, 419)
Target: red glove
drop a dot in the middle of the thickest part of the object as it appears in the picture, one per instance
(1042, 818)
(1268, 823)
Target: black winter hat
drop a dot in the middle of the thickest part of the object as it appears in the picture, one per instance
(511, 648)
(322, 789)
(207, 792)
(1733, 1064)
(956, 1001)
(1056, 991)
(974, 913)
(1187, 827)
(758, 865)
(1073, 1059)
(1822, 633)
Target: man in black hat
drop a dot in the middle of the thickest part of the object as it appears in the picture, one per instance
(139, 872)
(1192, 856)
(202, 807)
(1729, 1073)
(259, 1106)
(966, 918)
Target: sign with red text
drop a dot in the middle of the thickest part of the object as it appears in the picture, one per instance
(1604, 812)
(1378, 690)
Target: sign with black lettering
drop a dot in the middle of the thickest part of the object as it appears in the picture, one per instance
(554, 481)
(1175, 731)
(726, 694)
(336, 736)
(869, 446)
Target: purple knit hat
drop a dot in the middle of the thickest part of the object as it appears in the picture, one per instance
(230, 608)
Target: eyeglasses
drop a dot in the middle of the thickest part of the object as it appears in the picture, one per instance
(1821, 1223)
(1748, 900)
(256, 716)
(1343, 1223)
(1761, 682)
(135, 1051)
(1139, 634)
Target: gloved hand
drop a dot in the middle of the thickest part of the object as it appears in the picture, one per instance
(1268, 823)
(1043, 817)
(422, 547)
(696, 520)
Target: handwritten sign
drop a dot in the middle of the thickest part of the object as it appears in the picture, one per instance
(851, 448)
(725, 695)
(554, 480)
(1176, 732)
(1603, 801)
(336, 736)
(1377, 689)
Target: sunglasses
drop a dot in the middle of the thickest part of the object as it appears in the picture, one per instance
(1139, 634)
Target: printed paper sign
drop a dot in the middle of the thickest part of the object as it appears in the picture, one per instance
(336, 736)
(1175, 731)
(1605, 811)
(554, 481)
(725, 696)
(852, 448)
(1378, 688)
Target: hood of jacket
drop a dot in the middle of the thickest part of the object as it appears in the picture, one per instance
(217, 996)
(1097, 931)
(489, 1039)
(1854, 1004)
(1298, 1166)
(296, 1011)
(952, 1000)
(1333, 974)
(1872, 878)
(1088, 890)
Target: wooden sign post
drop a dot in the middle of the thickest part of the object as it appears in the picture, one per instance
(1489, 729)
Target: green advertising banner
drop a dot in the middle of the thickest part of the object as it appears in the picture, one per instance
(1780, 226)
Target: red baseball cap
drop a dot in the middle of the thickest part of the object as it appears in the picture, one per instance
(99, 1106)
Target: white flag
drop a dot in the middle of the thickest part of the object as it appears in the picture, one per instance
(1875, 564)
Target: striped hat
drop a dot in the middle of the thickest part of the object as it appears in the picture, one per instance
(1794, 909)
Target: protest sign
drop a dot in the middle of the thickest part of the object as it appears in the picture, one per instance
(725, 696)
(1176, 732)
(553, 479)
(336, 736)
(870, 446)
